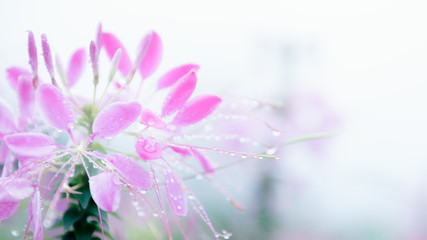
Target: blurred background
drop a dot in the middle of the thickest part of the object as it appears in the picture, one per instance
(353, 68)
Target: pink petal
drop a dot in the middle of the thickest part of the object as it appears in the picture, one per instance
(7, 120)
(148, 148)
(149, 119)
(15, 189)
(183, 151)
(13, 73)
(111, 43)
(115, 118)
(196, 109)
(175, 194)
(179, 94)
(152, 56)
(34, 212)
(171, 77)
(55, 107)
(206, 164)
(24, 160)
(47, 55)
(7, 209)
(106, 191)
(32, 52)
(26, 99)
(30, 144)
(134, 173)
(76, 66)
(4, 152)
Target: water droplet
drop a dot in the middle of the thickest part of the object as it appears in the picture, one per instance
(14, 233)
(271, 151)
(140, 213)
(155, 214)
(226, 235)
(199, 177)
(244, 156)
(190, 196)
(207, 128)
(276, 133)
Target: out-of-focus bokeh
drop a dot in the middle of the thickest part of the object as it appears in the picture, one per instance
(357, 69)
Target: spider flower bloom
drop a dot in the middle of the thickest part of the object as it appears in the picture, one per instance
(73, 138)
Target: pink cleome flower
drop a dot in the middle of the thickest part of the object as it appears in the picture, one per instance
(34, 138)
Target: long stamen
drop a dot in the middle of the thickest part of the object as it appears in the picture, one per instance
(157, 190)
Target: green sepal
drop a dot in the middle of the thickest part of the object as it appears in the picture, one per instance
(73, 213)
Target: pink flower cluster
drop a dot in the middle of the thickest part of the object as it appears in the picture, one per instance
(48, 109)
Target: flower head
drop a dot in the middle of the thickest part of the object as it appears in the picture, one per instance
(72, 137)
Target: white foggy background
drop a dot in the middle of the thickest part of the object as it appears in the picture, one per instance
(367, 59)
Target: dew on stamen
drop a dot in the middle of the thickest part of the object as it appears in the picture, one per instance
(271, 151)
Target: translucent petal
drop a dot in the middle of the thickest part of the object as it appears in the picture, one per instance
(30, 144)
(47, 55)
(7, 119)
(7, 209)
(4, 152)
(76, 66)
(148, 148)
(32, 52)
(171, 77)
(150, 119)
(206, 164)
(55, 107)
(35, 214)
(15, 190)
(13, 73)
(106, 191)
(99, 36)
(179, 94)
(134, 173)
(196, 109)
(153, 55)
(111, 43)
(26, 98)
(175, 194)
(115, 118)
